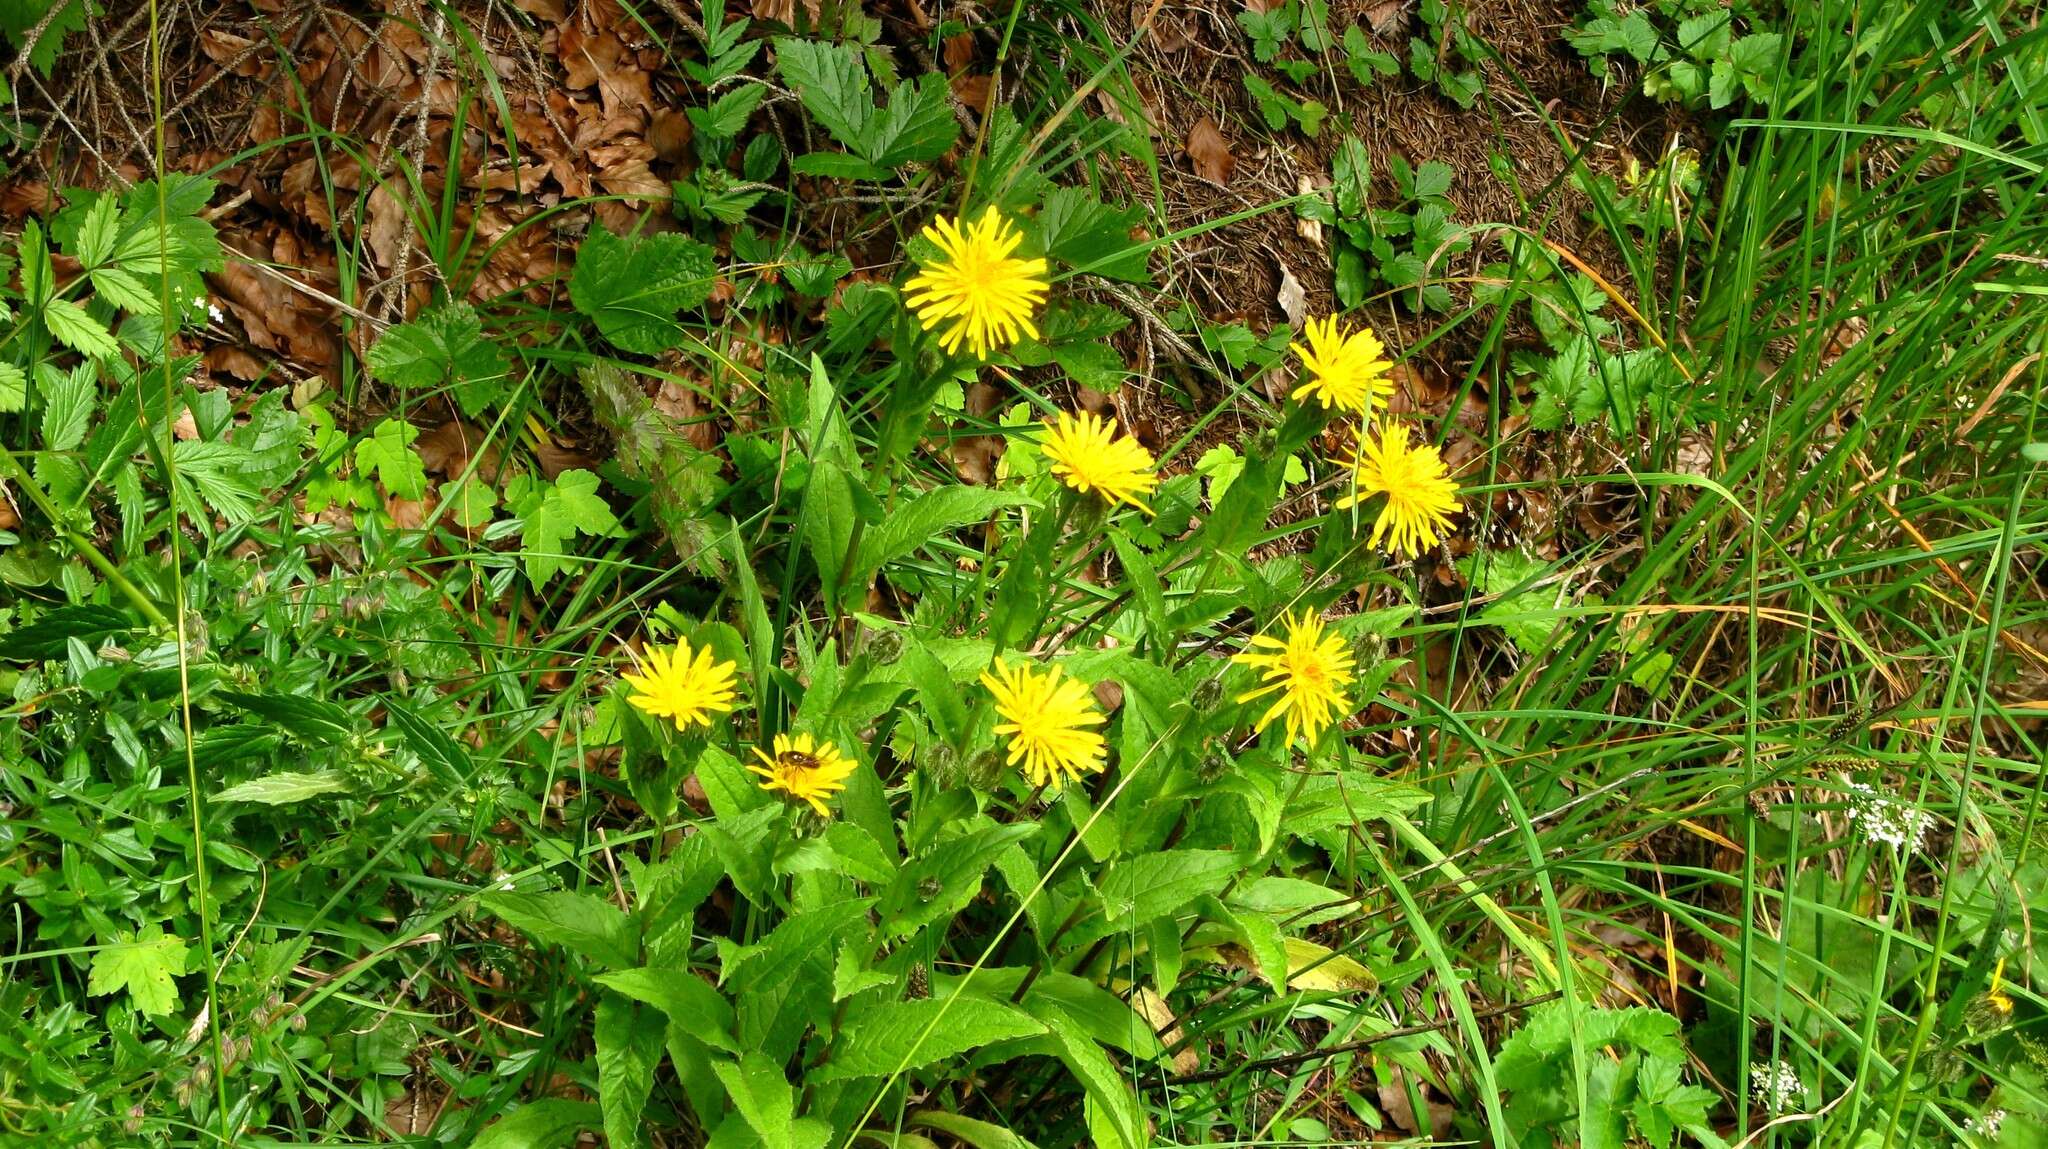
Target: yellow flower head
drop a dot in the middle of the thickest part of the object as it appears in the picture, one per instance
(807, 770)
(978, 291)
(1046, 718)
(1421, 497)
(673, 684)
(1309, 671)
(1087, 456)
(1348, 372)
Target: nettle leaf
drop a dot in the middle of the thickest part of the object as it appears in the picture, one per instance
(13, 388)
(553, 513)
(899, 1035)
(633, 288)
(918, 124)
(387, 453)
(446, 344)
(143, 964)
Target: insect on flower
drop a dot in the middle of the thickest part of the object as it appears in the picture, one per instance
(978, 292)
(804, 768)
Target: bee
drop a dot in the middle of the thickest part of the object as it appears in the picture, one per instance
(796, 760)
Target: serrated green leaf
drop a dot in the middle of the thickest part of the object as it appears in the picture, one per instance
(68, 400)
(918, 124)
(628, 1038)
(97, 232)
(285, 787)
(13, 388)
(143, 964)
(762, 1096)
(220, 473)
(833, 87)
(387, 454)
(900, 1035)
(445, 344)
(75, 329)
(725, 117)
(568, 507)
(977, 1134)
(633, 288)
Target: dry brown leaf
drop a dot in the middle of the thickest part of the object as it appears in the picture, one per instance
(1292, 297)
(972, 90)
(1387, 17)
(446, 450)
(549, 11)
(227, 359)
(1209, 153)
(1308, 229)
(669, 135)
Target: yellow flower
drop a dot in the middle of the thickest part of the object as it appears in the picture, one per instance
(807, 770)
(1046, 718)
(1309, 671)
(1421, 497)
(1345, 371)
(1087, 456)
(675, 685)
(984, 293)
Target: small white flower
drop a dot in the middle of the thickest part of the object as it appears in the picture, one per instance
(1987, 1125)
(1886, 822)
(214, 312)
(1776, 1086)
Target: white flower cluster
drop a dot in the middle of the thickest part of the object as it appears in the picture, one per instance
(1985, 1126)
(1776, 1086)
(1886, 822)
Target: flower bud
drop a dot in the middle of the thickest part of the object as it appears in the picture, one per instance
(942, 766)
(1213, 766)
(885, 646)
(1208, 694)
(986, 771)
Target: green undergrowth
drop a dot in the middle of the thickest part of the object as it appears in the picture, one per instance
(1689, 798)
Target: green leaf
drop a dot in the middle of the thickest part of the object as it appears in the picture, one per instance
(832, 86)
(446, 344)
(928, 517)
(917, 126)
(13, 387)
(727, 116)
(1083, 232)
(79, 331)
(1137, 890)
(1121, 1119)
(68, 399)
(629, 1038)
(285, 787)
(387, 453)
(957, 867)
(588, 925)
(849, 978)
(97, 232)
(902, 1035)
(763, 1097)
(562, 510)
(220, 473)
(144, 965)
(976, 1134)
(633, 288)
(539, 1125)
